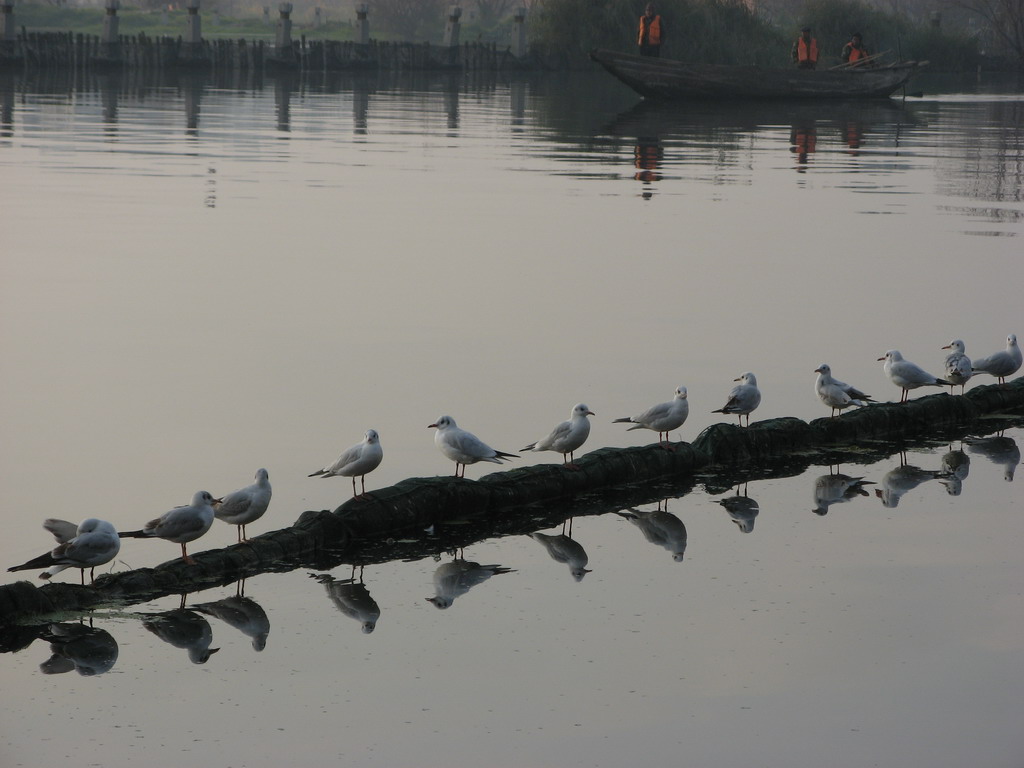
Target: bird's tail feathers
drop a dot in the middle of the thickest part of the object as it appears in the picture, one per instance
(622, 420)
(42, 561)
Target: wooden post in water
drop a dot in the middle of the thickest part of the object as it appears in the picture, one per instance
(193, 42)
(283, 34)
(451, 33)
(110, 48)
(519, 32)
(9, 49)
(362, 24)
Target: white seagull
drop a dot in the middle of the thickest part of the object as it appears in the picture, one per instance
(907, 375)
(94, 542)
(958, 365)
(567, 436)
(1001, 364)
(246, 505)
(181, 524)
(743, 399)
(358, 461)
(661, 418)
(464, 447)
(837, 394)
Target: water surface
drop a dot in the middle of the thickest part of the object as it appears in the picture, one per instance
(203, 279)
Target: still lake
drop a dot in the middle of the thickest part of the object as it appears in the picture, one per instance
(202, 279)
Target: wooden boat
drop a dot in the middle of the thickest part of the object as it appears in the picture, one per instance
(665, 79)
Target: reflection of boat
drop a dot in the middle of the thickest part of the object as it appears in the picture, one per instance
(666, 79)
(667, 120)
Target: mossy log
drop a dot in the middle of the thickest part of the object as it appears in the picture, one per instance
(391, 523)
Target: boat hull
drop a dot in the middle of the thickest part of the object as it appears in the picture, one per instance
(668, 80)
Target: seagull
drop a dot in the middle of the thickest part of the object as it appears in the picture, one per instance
(1001, 364)
(743, 399)
(567, 436)
(456, 578)
(181, 524)
(908, 375)
(837, 394)
(958, 365)
(358, 461)
(463, 447)
(246, 505)
(565, 550)
(94, 542)
(663, 417)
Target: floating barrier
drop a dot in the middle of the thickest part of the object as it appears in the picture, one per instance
(419, 517)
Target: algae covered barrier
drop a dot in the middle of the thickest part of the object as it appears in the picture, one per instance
(413, 519)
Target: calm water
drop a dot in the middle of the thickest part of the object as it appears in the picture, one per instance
(199, 281)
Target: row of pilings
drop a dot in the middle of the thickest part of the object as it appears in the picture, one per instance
(83, 53)
(391, 523)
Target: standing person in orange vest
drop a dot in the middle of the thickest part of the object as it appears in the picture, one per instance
(854, 52)
(652, 32)
(805, 50)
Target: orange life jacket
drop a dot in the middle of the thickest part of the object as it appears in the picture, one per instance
(805, 52)
(856, 53)
(649, 30)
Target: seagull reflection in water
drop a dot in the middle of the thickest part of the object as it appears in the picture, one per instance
(742, 509)
(837, 489)
(956, 465)
(564, 549)
(999, 450)
(87, 650)
(454, 579)
(898, 481)
(660, 527)
(241, 613)
(183, 628)
(352, 598)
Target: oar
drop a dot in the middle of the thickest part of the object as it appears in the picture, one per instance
(859, 62)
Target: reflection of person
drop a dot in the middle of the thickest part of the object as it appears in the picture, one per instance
(647, 156)
(652, 32)
(855, 52)
(805, 50)
(803, 141)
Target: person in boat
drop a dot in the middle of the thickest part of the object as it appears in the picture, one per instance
(805, 50)
(652, 32)
(855, 52)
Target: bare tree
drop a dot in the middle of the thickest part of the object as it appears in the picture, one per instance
(409, 20)
(492, 11)
(1004, 19)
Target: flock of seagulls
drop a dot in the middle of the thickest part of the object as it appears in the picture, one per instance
(96, 542)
